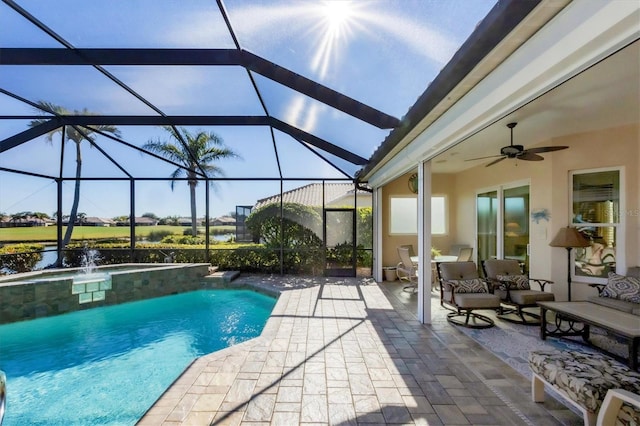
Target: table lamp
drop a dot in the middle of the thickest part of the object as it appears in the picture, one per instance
(569, 238)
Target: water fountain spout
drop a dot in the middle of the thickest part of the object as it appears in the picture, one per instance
(89, 260)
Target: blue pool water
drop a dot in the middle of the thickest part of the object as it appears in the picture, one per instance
(109, 365)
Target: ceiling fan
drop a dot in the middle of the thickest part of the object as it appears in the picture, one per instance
(518, 152)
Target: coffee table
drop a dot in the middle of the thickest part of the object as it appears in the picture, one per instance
(621, 324)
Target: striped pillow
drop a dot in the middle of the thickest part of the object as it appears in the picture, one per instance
(622, 287)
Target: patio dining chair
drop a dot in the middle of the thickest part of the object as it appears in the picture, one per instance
(463, 292)
(465, 254)
(406, 270)
(514, 289)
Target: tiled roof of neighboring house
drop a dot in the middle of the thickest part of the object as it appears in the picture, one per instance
(26, 219)
(98, 220)
(224, 219)
(311, 195)
(143, 219)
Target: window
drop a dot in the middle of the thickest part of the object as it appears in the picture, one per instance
(404, 215)
(595, 205)
(438, 215)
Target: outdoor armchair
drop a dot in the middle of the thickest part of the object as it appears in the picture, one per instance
(514, 289)
(463, 292)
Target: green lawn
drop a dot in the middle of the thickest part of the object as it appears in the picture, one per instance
(48, 233)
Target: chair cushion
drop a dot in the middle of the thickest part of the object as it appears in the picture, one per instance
(530, 297)
(477, 300)
(584, 377)
(473, 285)
(519, 282)
(622, 287)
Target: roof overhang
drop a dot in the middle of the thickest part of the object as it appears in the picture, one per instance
(552, 44)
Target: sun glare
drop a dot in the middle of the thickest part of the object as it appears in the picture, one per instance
(337, 12)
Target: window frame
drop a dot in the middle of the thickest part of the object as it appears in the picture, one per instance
(619, 226)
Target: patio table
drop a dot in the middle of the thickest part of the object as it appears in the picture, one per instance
(621, 324)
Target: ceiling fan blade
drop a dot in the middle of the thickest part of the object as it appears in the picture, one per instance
(542, 149)
(483, 158)
(529, 156)
(496, 161)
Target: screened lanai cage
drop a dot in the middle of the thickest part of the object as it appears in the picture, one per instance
(231, 134)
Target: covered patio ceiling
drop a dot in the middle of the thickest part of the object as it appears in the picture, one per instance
(603, 96)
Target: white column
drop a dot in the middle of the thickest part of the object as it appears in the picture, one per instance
(424, 242)
(376, 204)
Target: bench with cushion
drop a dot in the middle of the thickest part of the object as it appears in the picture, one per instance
(622, 292)
(582, 378)
(620, 408)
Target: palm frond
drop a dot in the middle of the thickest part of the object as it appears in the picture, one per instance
(176, 174)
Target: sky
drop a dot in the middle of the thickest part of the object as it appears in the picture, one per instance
(381, 53)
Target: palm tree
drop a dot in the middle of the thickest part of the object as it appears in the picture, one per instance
(201, 151)
(71, 133)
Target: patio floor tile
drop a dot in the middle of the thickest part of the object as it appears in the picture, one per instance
(350, 351)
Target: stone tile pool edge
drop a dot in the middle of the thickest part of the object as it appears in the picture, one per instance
(233, 356)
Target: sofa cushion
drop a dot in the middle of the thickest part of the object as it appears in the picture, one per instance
(622, 287)
(617, 304)
(584, 377)
(518, 282)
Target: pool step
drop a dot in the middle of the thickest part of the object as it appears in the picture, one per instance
(221, 277)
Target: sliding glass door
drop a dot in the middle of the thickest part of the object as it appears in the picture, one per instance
(487, 225)
(515, 224)
(503, 224)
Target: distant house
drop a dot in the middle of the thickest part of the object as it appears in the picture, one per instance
(24, 222)
(184, 221)
(98, 221)
(223, 221)
(146, 221)
(335, 195)
(140, 221)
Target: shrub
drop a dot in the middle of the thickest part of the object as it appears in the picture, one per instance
(159, 234)
(185, 239)
(20, 257)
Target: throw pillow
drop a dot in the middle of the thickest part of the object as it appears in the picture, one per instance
(622, 287)
(474, 285)
(517, 282)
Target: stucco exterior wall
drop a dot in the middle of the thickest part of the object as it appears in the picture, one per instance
(549, 185)
(441, 184)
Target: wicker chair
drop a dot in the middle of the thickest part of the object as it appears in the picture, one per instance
(463, 292)
(514, 289)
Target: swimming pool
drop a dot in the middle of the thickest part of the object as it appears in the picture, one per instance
(108, 365)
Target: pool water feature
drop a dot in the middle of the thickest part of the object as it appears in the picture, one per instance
(108, 365)
(53, 292)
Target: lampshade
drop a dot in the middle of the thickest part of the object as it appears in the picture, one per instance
(569, 237)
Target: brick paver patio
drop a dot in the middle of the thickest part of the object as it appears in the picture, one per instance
(346, 352)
